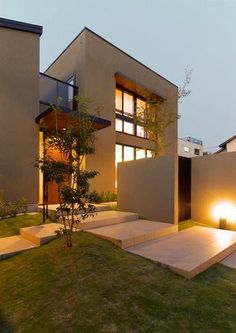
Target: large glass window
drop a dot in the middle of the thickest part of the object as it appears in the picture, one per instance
(118, 101)
(119, 155)
(140, 107)
(140, 153)
(119, 125)
(128, 153)
(128, 104)
(128, 127)
(140, 131)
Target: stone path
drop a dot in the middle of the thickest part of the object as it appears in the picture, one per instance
(190, 251)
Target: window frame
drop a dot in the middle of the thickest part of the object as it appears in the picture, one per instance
(120, 114)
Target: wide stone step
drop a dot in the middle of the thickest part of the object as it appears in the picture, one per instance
(107, 218)
(40, 234)
(131, 233)
(9, 246)
(99, 207)
(190, 251)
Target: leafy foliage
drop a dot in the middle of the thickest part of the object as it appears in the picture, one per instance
(11, 209)
(73, 143)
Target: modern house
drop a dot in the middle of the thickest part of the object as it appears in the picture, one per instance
(190, 147)
(228, 145)
(90, 66)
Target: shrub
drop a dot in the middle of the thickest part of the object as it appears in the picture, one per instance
(11, 209)
(108, 196)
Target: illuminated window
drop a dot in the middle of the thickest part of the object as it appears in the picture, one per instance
(128, 104)
(128, 153)
(119, 126)
(140, 106)
(140, 153)
(149, 153)
(128, 127)
(186, 149)
(118, 101)
(118, 154)
(140, 131)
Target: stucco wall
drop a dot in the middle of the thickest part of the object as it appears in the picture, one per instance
(213, 182)
(95, 62)
(19, 105)
(150, 188)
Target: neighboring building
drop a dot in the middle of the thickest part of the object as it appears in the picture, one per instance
(89, 66)
(228, 146)
(190, 147)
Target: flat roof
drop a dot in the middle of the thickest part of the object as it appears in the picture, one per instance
(22, 26)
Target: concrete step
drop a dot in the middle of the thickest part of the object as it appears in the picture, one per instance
(40, 234)
(106, 218)
(9, 246)
(99, 207)
(135, 232)
(44, 233)
(189, 252)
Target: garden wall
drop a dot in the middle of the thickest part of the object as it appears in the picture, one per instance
(149, 187)
(213, 182)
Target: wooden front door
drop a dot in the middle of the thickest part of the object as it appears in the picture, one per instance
(53, 195)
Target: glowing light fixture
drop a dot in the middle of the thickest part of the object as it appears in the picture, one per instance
(224, 211)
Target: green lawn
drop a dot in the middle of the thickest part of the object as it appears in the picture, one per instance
(190, 223)
(11, 226)
(97, 287)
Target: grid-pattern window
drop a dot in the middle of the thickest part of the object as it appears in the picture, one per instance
(128, 104)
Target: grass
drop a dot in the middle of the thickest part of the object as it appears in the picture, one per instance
(97, 287)
(11, 226)
(191, 223)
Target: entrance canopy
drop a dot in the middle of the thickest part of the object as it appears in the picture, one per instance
(48, 119)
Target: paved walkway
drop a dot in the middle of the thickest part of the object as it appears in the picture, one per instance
(134, 232)
(190, 251)
(10, 246)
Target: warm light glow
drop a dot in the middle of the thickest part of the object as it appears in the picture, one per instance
(224, 210)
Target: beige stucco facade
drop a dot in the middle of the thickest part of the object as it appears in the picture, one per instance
(96, 62)
(98, 67)
(19, 105)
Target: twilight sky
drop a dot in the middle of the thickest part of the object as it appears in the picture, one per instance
(166, 35)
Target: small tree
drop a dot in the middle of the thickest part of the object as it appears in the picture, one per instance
(73, 144)
(156, 116)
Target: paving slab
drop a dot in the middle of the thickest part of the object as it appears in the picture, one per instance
(105, 218)
(130, 233)
(230, 261)
(40, 234)
(12, 245)
(190, 251)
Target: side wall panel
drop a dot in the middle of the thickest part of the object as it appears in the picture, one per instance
(19, 105)
(213, 182)
(149, 187)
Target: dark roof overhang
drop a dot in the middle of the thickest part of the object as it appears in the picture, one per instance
(46, 119)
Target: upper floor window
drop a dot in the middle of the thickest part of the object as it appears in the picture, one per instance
(128, 104)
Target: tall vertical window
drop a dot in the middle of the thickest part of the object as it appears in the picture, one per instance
(118, 101)
(128, 104)
(119, 155)
(71, 81)
(128, 153)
